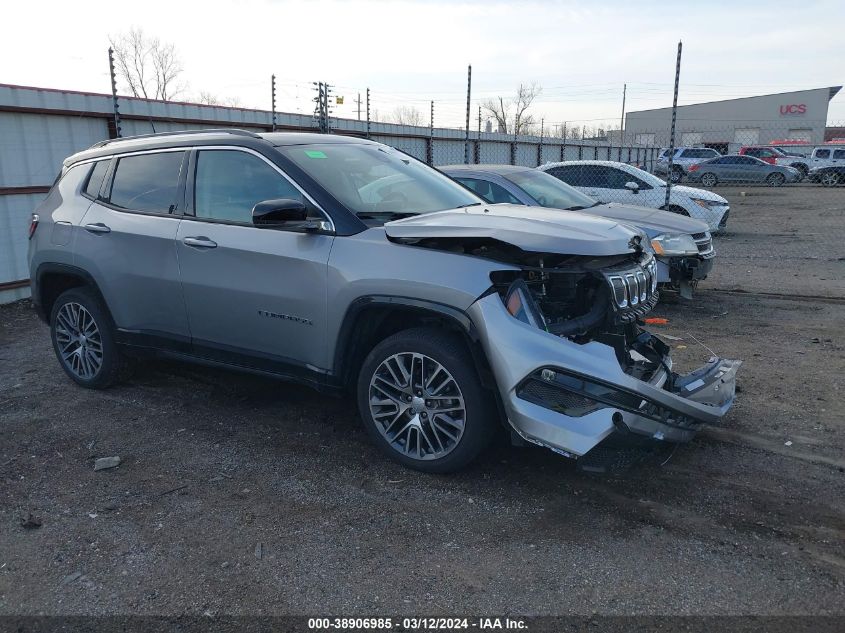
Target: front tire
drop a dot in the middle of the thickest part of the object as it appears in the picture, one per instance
(775, 180)
(422, 403)
(83, 339)
(829, 179)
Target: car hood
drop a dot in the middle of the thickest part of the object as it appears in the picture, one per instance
(652, 221)
(532, 229)
(695, 192)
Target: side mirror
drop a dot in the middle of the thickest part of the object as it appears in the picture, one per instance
(279, 212)
(632, 187)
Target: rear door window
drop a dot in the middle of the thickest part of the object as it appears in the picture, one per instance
(147, 182)
(839, 153)
(570, 174)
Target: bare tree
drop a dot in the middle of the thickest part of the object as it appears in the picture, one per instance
(150, 67)
(207, 98)
(511, 115)
(407, 115)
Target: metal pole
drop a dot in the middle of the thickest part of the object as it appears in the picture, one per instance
(368, 113)
(430, 155)
(540, 146)
(115, 106)
(359, 106)
(273, 99)
(466, 136)
(672, 131)
(622, 120)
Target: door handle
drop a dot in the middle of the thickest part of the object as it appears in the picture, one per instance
(200, 242)
(97, 227)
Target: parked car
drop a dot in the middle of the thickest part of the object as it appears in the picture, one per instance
(828, 176)
(437, 310)
(776, 156)
(827, 156)
(611, 181)
(683, 246)
(684, 157)
(743, 169)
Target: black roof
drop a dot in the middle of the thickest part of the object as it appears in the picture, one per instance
(188, 138)
(491, 169)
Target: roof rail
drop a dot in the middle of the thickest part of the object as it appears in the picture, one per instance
(234, 131)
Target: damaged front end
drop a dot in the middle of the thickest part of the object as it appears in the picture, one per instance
(573, 365)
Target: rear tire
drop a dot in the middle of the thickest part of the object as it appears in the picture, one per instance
(422, 402)
(775, 180)
(677, 175)
(802, 168)
(83, 339)
(709, 179)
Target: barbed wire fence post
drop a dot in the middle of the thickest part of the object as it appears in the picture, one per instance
(672, 130)
(430, 148)
(115, 106)
(273, 101)
(368, 113)
(466, 135)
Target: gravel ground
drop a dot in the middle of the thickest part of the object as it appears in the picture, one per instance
(239, 495)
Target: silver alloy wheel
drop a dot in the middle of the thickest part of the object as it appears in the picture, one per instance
(708, 180)
(776, 179)
(78, 340)
(830, 179)
(417, 406)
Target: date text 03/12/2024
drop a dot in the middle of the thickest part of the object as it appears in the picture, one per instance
(416, 624)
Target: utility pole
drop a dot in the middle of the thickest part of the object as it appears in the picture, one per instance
(466, 136)
(672, 131)
(358, 102)
(273, 99)
(622, 120)
(115, 106)
(368, 113)
(322, 110)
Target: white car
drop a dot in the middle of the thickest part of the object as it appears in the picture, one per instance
(611, 181)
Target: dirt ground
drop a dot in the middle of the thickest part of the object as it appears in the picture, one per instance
(239, 495)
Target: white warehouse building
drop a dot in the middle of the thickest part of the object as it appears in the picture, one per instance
(726, 125)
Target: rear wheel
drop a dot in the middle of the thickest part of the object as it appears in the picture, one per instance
(709, 180)
(775, 180)
(677, 174)
(830, 179)
(422, 403)
(83, 339)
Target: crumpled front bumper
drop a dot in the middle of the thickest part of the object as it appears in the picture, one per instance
(518, 352)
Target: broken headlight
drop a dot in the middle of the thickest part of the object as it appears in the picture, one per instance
(521, 305)
(674, 245)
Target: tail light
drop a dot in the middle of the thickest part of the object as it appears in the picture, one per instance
(694, 167)
(33, 224)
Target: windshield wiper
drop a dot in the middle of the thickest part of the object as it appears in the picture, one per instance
(581, 208)
(469, 204)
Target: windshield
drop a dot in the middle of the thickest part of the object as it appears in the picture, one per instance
(549, 191)
(376, 181)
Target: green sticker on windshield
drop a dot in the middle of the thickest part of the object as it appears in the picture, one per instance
(313, 153)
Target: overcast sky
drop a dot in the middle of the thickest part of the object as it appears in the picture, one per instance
(411, 52)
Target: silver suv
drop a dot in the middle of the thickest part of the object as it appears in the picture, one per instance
(349, 266)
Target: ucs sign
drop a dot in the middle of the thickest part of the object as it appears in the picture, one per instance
(793, 109)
